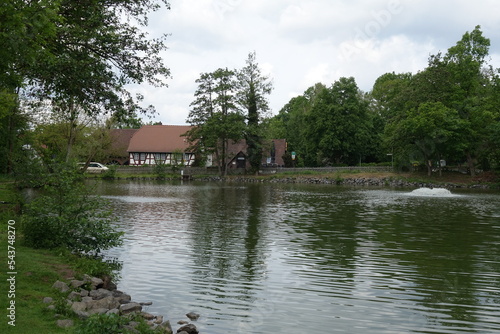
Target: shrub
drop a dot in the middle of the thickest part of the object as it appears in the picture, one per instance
(114, 324)
(66, 214)
(102, 323)
(110, 173)
(160, 170)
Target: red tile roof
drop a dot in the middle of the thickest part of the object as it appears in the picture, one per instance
(159, 139)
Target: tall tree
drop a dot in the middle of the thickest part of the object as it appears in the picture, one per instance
(338, 129)
(252, 89)
(465, 62)
(214, 116)
(24, 26)
(82, 55)
(432, 130)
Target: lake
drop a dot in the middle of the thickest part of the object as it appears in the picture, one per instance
(292, 258)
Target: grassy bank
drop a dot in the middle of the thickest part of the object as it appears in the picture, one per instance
(31, 273)
(35, 272)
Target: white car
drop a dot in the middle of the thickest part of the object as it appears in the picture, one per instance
(95, 167)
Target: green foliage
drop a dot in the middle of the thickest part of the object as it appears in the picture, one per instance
(74, 57)
(113, 324)
(110, 173)
(97, 266)
(161, 170)
(214, 115)
(66, 214)
(337, 128)
(102, 323)
(251, 97)
(432, 129)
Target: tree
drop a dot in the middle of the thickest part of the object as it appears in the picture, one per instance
(459, 80)
(69, 215)
(95, 53)
(388, 94)
(252, 88)
(23, 27)
(338, 129)
(432, 129)
(214, 116)
(80, 55)
(465, 63)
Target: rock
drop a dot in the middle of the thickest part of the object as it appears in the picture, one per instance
(76, 283)
(130, 307)
(87, 299)
(108, 284)
(61, 286)
(98, 311)
(122, 298)
(146, 303)
(147, 316)
(82, 314)
(113, 311)
(73, 295)
(78, 307)
(48, 300)
(100, 293)
(108, 303)
(190, 329)
(84, 293)
(51, 307)
(65, 323)
(166, 327)
(182, 322)
(96, 282)
(159, 319)
(193, 316)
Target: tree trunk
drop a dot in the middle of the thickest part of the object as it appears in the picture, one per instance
(470, 164)
(429, 167)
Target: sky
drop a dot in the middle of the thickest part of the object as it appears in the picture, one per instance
(302, 42)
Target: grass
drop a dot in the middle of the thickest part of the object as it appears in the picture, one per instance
(35, 271)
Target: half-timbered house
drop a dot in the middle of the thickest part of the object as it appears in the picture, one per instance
(160, 144)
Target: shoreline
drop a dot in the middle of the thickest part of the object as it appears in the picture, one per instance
(393, 180)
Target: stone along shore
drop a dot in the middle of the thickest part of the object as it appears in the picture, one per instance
(92, 295)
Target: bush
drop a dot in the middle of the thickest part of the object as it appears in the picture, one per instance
(110, 173)
(102, 323)
(67, 215)
(160, 170)
(115, 324)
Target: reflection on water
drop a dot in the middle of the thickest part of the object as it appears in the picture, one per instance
(298, 258)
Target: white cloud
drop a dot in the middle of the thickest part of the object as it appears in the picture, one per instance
(299, 42)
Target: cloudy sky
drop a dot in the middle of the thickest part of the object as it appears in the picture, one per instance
(301, 42)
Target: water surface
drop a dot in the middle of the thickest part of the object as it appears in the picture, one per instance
(310, 259)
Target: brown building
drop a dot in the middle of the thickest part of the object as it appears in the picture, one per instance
(272, 155)
(160, 144)
(166, 144)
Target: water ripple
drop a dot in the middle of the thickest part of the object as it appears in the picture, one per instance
(259, 259)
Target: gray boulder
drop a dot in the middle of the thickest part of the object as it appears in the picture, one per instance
(189, 329)
(130, 307)
(100, 293)
(61, 286)
(65, 323)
